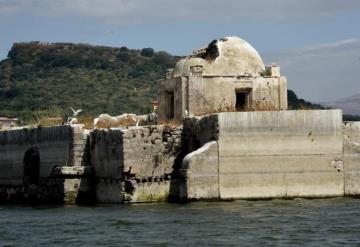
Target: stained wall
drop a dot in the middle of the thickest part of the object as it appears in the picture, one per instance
(272, 154)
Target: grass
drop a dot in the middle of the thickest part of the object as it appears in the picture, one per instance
(50, 121)
(88, 122)
(172, 123)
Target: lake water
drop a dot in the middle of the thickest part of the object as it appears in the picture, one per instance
(321, 222)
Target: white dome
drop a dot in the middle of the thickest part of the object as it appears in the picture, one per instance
(229, 56)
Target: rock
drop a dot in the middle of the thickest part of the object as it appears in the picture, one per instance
(107, 121)
(126, 119)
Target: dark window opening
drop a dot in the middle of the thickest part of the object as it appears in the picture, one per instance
(31, 166)
(241, 100)
(170, 104)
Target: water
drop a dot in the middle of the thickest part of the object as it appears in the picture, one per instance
(325, 222)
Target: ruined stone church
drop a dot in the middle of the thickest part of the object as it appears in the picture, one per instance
(235, 139)
(227, 75)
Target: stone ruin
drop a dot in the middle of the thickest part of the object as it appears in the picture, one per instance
(231, 137)
(227, 75)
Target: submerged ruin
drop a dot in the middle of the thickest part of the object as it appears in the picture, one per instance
(228, 75)
(226, 134)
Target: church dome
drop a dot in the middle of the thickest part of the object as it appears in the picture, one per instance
(229, 56)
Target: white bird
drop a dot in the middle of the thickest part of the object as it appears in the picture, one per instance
(73, 121)
(75, 113)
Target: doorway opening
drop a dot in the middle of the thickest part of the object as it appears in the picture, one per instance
(170, 104)
(242, 100)
(31, 166)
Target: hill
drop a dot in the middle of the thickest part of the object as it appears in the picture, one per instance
(354, 115)
(350, 105)
(295, 103)
(47, 79)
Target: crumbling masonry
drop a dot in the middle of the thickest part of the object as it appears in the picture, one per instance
(236, 140)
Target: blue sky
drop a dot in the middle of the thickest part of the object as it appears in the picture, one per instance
(316, 42)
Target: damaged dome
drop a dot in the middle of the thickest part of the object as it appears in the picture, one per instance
(229, 56)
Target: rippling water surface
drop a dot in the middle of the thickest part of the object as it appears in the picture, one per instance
(325, 222)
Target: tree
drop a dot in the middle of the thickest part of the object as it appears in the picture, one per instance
(147, 52)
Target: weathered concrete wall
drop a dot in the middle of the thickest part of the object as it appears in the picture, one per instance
(352, 158)
(53, 144)
(280, 154)
(233, 155)
(44, 165)
(200, 173)
(135, 164)
(200, 163)
(79, 155)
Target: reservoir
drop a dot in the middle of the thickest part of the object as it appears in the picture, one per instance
(298, 222)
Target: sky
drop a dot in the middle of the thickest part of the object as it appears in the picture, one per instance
(315, 42)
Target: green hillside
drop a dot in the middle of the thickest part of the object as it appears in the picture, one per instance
(45, 80)
(49, 78)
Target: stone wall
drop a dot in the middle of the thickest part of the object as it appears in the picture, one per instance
(352, 158)
(280, 154)
(172, 87)
(134, 164)
(199, 130)
(219, 94)
(220, 80)
(44, 164)
(198, 95)
(53, 144)
(224, 156)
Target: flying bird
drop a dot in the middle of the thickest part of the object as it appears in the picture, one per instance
(75, 113)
